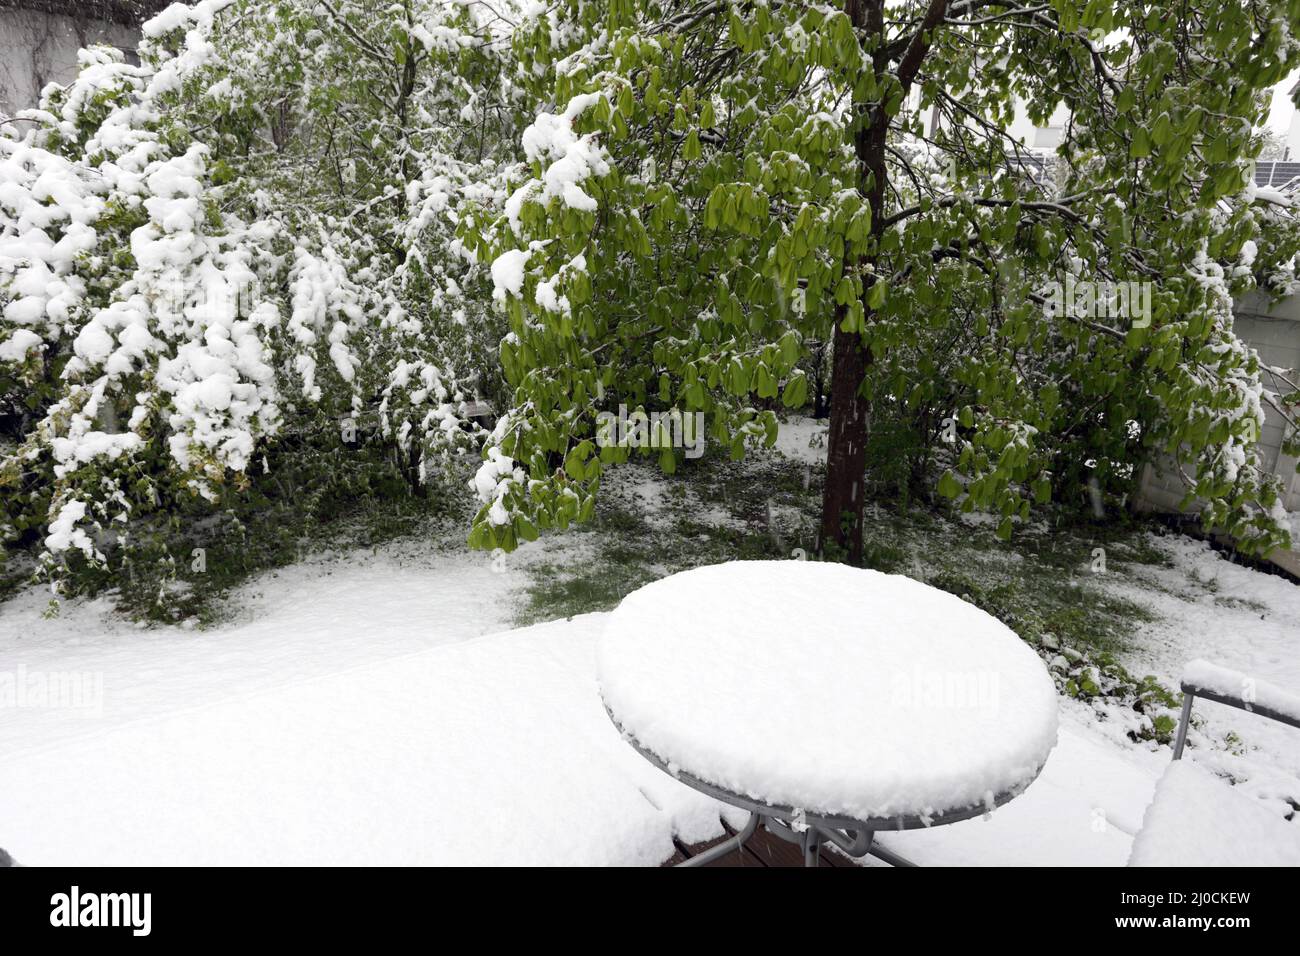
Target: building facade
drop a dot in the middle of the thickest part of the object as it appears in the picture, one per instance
(39, 40)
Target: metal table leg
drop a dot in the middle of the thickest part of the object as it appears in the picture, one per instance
(726, 846)
(854, 843)
(811, 844)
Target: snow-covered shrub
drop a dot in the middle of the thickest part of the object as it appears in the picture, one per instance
(241, 255)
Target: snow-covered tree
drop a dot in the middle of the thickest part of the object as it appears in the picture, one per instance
(240, 252)
(719, 183)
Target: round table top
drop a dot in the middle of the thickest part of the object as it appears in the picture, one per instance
(827, 689)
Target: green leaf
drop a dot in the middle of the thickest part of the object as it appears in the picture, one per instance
(796, 392)
(844, 291)
(879, 291)
(790, 348)
(691, 150)
(1043, 491)
(949, 486)
(1140, 145)
(575, 464)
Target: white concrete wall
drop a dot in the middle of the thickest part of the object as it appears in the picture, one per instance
(39, 48)
(1039, 139)
(1275, 334)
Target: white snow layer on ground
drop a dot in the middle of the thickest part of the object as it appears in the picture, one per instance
(308, 619)
(1235, 617)
(803, 439)
(352, 721)
(1083, 810)
(1197, 820)
(493, 751)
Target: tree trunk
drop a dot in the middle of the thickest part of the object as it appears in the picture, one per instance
(846, 452)
(821, 401)
(843, 497)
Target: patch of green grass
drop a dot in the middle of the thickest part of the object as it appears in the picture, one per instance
(626, 546)
(1039, 584)
(1243, 604)
(196, 585)
(16, 572)
(1037, 598)
(1141, 549)
(557, 593)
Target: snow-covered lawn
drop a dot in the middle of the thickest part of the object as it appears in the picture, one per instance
(375, 707)
(1207, 607)
(310, 619)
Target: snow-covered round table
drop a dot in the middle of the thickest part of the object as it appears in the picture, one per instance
(831, 702)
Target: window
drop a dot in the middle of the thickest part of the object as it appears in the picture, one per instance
(1048, 137)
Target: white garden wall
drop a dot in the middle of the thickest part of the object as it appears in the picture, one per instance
(1274, 332)
(38, 47)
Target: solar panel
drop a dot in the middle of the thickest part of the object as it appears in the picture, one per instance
(1276, 172)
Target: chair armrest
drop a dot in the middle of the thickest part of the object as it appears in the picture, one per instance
(1240, 690)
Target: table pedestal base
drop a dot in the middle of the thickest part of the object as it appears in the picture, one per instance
(809, 837)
